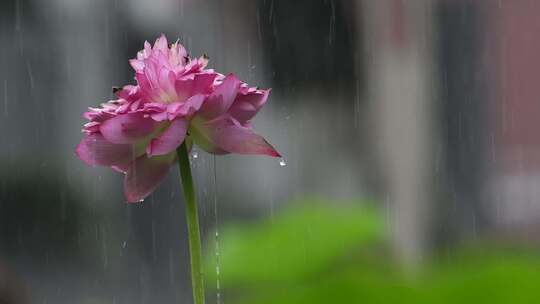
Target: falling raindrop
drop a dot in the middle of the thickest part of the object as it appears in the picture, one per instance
(357, 104)
(5, 98)
(154, 247)
(259, 25)
(104, 248)
(332, 24)
(282, 162)
(30, 74)
(18, 17)
(195, 155)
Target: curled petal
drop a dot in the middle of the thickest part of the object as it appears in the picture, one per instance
(170, 139)
(127, 128)
(223, 135)
(221, 99)
(242, 140)
(245, 107)
(94, 150)
(144, 175)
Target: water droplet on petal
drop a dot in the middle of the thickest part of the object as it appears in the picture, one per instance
(282, 163)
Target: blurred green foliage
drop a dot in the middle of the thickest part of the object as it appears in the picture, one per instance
(303, 240)
(321, 251)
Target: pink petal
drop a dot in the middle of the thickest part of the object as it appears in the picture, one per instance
(144, 84)
(161, 44)
(223, 135)
(135, 105)
(166, 81)
(201, 135)
(91, 127)
(98, 115)
(136, 64)
(222, 98)
(127, 128)
(147, 49)
(94, 150)
(200, 84)
(193, 104)
(187, 108)
(159, 116)
(157, 82)
(245, 107)
(242, 140)
(144, 176)
(177, 54)
(170, 139)
(154, 107)
(123, 108)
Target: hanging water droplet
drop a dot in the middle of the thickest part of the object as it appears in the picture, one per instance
(282, 162)
(141, 200)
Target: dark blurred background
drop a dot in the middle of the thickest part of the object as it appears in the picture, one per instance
(411, 170)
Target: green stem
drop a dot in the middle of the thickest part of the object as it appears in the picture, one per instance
(192, 217)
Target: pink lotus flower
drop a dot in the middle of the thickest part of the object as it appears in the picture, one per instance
(176, 99)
